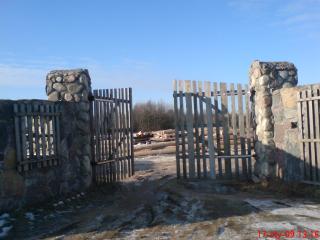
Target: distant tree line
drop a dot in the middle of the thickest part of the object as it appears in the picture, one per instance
(152, 116)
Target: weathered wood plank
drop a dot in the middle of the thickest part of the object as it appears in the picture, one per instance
(97, 142)
(301, 131)
(57, 134)
(189, 119)
(92, 136)
(36, 134)
(210, 129)
(234, 129)
(43, 135)
(313, 170)
(131, 127)
(242, 132)
(49, 143)
(125, 166)
(113, 142)
(217, 121)
(117, 133)
(128, 134)
(31, 144)
(225, 125)
(101, 137)
(176, 120)
(305, 116)
(18, 137)
(202, 122)
(248, 129)
(123, 172)
(196, 126)
(182, 127)
(317, 131)
(108, 142)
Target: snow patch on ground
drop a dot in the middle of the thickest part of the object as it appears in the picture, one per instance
(30, 216)
(5, 225)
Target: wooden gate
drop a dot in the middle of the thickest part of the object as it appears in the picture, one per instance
(111, 135)
(214, 137)
(308, 114)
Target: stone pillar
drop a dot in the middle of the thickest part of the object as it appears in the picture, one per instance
(265, 77)
(72, 88)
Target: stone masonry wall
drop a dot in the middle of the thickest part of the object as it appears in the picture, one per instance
(73, 174)
(74, 86)
(286, 134)
(266, 77)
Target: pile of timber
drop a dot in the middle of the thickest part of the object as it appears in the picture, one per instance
(163, 142)
(163, 135)
(142, 137)
(155, 148)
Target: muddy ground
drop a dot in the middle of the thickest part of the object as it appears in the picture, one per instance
(155, 205)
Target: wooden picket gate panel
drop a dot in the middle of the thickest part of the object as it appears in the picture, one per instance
(37, 132)
(112, 135)
(214, 135)
(308, 116)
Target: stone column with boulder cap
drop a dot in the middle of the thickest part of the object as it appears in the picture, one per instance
(72, 88)
(265, 77)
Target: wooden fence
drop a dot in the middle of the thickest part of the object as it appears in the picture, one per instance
(213, 130)
(308, 113)
(37, 131)
(112, 135)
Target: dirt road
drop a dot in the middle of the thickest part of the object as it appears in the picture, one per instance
(154, 205)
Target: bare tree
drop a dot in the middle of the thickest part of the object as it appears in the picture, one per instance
(152, 116)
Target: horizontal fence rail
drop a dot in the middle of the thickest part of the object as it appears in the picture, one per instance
(214, 136)
(112, 135)
(37, 130)
(308, 113)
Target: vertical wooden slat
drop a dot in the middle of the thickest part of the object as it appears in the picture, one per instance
(49, 136)
(196, 126)
(317, 131)
(30, 133)
(43, 135)
(97, 142)
(113, 143)
(121, 133)
(128, 133)
(217, 123)
(131, 133)
(176, 119)
(301, 131)
(210, 129)
(248, 130)
(108, 142)
(242, 131)
(225, 125)
(57, 133)
(123, 141)
(104, 134)
(306, 135)
(234, 129)
(313, 169)
(92, 136)
(182, 127)
(201, 120)
(36, 133)
(18, 135)
(189, 119)
(117, 133)
(102, 152)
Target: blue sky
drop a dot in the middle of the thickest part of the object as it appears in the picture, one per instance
(146, 44)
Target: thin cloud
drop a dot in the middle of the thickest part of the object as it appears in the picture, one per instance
(300, 16)
(18, 76)
(125, 73)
